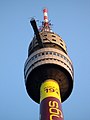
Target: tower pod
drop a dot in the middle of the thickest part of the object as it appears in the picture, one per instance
(47, 59)
(48, 62)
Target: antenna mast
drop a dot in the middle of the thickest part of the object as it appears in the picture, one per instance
(46, 24)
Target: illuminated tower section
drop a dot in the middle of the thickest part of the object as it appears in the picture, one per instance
(48, 71)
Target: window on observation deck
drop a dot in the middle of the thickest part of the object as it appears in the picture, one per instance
(35, 56)
(43, 53)
(45, 35)
(54, 53)
(53, 36)
(45, 39)
(61, 40)
(61, 44)
(46, 53)
(53, 40)
(50, 53)
(57, 54)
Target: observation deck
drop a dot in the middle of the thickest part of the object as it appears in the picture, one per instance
(48, 62)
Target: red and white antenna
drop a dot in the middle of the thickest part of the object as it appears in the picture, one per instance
(45, 13)
(46, 25)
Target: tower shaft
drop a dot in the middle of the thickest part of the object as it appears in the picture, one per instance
(50, 101)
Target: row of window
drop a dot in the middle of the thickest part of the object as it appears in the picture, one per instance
(47, 39)
(54, 37)
(49, 59)
(50, 53)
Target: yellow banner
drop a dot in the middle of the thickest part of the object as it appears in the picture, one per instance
(50, 88)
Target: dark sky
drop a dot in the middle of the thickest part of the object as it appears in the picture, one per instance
(71, 20)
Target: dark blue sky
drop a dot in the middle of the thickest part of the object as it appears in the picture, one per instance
(71, 20)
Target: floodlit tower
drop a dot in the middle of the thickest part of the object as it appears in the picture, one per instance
(48, 70)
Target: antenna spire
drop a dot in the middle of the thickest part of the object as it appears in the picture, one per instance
(46, 24)
(45, 13)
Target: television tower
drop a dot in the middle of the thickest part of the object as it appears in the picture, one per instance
(48, 70)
